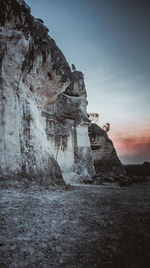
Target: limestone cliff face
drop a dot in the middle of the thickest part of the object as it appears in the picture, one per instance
(67, 129)
(43, 120)
(104, 154)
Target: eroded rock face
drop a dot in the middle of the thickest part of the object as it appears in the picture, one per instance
(67, 129)
(104, 154)
(43, 123)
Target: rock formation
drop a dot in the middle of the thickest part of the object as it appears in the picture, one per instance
(103, 152)
(43, 123)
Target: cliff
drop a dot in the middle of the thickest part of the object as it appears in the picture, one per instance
(44, 129)
(43, 123)
(103, 152)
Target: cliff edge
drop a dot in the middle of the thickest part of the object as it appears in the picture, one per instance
(43, 123)
(44, 128)
(103, 152)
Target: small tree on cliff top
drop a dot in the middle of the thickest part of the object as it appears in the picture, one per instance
(106, 127)
(73, 67)
(93, 117)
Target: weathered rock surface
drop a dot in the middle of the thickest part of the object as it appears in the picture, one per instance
(104, 154)
(44, 128)
(67, 129)
(43, 123)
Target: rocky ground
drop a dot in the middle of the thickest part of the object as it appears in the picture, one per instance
(83, 226)
(121, 179)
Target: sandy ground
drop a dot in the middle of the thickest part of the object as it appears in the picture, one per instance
(85, 226)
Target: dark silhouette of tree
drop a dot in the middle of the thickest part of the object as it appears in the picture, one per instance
(73, 67)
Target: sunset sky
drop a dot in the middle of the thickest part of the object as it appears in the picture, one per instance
(109, 41)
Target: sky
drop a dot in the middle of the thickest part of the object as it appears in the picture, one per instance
(109, 41)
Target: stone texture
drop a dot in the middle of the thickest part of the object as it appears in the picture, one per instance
(43, 123)
(67, 129)
(103, 152)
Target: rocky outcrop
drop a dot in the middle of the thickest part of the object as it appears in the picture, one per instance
(67, 129)
(43, 123)
(103, 152)
(44, 128)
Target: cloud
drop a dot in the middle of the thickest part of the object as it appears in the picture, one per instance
(133, 147)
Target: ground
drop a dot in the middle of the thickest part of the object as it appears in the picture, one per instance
(84, 226)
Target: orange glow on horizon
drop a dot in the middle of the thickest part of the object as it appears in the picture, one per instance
(132, 142)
